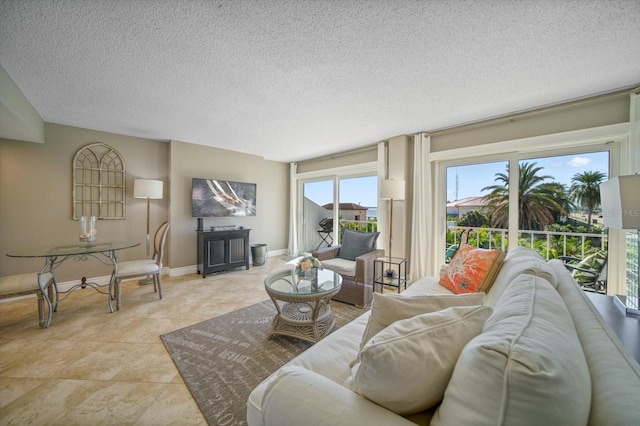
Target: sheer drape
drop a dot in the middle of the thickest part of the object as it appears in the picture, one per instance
(634, 131)
(293, 210)
(422, 242)
(383, 205)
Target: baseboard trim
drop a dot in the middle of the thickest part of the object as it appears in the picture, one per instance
(184, 270)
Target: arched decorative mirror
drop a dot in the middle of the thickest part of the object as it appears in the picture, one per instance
(98, 182)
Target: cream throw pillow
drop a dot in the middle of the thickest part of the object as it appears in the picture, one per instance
(526, 368)
(407, 366)
(389, 308)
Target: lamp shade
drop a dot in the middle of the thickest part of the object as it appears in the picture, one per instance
(392, 189)
(147, 188)
(620, 201)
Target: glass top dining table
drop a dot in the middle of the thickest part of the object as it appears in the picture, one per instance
(73, 249)
(103, 251)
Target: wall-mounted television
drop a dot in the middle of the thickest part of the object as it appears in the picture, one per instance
(220, 198)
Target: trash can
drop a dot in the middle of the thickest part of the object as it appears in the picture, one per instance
(259, 254)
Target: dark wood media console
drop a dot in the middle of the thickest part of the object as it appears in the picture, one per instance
(222, 250)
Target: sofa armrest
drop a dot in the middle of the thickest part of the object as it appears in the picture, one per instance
(364, 265)
(326, 253)
(298, 396)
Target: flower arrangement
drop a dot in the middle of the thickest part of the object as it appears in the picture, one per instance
(307, 264)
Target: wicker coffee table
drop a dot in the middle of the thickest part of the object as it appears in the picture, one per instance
(302, 304)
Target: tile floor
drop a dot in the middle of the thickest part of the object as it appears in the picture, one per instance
(92, 367)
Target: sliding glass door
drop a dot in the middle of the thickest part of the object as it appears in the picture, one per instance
(469, 219)
(317, 228)
(331, 204)
(550, 204)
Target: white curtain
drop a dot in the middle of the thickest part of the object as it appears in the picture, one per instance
(293, 210)
(383, 205)
(634, 134)
(422, 242)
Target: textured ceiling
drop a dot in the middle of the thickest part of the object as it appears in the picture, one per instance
(291, 80)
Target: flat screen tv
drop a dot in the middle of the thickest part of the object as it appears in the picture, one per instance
(219, 198)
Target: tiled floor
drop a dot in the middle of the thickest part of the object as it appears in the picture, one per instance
(92, 367)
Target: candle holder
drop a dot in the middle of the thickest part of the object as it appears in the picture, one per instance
(88, 229)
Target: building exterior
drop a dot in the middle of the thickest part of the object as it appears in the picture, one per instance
(460, 207)
(349, 211)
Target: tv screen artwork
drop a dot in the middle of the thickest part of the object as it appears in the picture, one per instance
(211, 197)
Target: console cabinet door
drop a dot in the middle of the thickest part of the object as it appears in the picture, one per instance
(222, 250)
(215, 252)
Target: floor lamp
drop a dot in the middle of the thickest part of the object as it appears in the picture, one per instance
(151, 190)
(621, 210)
(391, 189)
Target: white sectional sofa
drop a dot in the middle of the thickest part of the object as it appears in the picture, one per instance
(544, 356)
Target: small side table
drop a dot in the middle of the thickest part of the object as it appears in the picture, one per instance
(390, 271)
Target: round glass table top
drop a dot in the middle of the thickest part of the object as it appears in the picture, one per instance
(288, 282)
(73, 249)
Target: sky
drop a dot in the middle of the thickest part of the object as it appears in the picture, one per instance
(471, 179)
(362, 191)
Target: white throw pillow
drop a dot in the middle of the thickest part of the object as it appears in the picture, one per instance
(407, 366)
(526, 368)
(389, 308)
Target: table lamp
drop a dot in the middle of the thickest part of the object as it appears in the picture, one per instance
(621, 210)
(391, 189)
(151, 190)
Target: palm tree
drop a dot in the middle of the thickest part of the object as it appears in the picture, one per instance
(585, 191)
(540, 203)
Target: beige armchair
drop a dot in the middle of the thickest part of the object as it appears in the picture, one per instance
(357, 274)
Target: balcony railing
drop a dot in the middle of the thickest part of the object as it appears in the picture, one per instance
(550, 244)
(359, 225)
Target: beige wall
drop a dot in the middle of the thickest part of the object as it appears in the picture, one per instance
(18, 118)
(358, 156)
(35, 197)
(593, 112)
(269, 226)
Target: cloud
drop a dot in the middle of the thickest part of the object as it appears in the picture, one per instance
(578, 162)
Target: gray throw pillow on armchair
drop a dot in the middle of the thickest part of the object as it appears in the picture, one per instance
(356, 243)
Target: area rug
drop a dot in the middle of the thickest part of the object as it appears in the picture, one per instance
(222, 359)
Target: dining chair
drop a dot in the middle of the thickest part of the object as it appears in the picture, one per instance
(43, 285)
(139, 268)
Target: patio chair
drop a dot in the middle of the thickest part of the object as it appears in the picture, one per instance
(591, 272)
(326, 226)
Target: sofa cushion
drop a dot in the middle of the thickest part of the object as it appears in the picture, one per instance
(519, 260)
(389, 308)
(406, 367)
(426, 285)
(472, 269)
(527, 367)
(297, 396)
(356, 243)
(344, 267)
(615, 375)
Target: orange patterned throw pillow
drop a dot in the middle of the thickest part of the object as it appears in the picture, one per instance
(472, 270)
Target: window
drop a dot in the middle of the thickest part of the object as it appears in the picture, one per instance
(551, 205)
